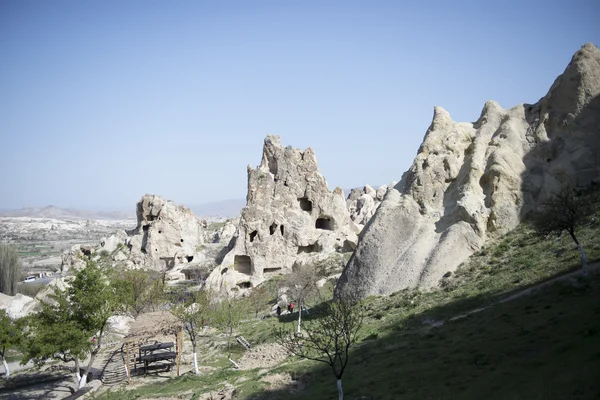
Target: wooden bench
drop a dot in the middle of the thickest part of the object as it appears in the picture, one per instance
(157, 352)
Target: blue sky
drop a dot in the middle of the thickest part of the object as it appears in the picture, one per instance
(102, 101)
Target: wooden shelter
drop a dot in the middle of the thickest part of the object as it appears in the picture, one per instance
(145, 336)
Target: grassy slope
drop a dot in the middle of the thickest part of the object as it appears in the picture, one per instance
(543, 346)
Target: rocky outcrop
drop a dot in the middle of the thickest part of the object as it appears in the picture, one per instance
(166, 234)
(362, 203)
(291, 218)
(18, 306)
(473, 181)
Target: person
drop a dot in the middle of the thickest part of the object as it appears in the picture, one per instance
(278, 310)
(291, 307)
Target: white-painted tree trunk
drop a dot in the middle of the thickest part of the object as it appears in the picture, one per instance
(196, 363)
(340, 391)
(6, 371)
(82, 381)
(234, 363)
(584, 266)
(299, 317)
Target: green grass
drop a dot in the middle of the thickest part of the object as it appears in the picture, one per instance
(542, 346)
(545, 346)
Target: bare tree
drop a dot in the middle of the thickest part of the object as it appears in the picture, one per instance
(194, 314)
(9, 269)
(227, 315)
(328, 337)
(259, 298)
(566, 210)
(301, 284)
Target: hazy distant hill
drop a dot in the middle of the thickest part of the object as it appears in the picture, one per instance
(223, 208)
(66, 213)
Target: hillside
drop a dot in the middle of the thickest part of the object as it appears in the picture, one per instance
(539, 343)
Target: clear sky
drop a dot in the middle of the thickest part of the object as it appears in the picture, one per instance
(104, 101)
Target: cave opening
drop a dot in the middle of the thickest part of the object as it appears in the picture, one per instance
(243, 264)
(305, 204)
(324, 223)
(253, 236)
(245, 285)
(311, 248)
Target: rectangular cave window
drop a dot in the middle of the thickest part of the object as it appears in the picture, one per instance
(145, 228)
(305, 204)
(273, 228)
(311, 248)
(189, 258)
(281, 229)
(149, 217)
(271, 270)
(324, 223)
(243, 264)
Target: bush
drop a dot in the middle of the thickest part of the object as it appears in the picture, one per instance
(30, 290)
(9, 269)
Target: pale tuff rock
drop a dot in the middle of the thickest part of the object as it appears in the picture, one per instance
(72, 259)
(291, 218)
(113, 242)
(166, 234)
(473, 181)
(17, 306)
(362, 203)
(222, 232)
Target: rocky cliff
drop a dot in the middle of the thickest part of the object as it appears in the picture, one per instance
(291, 217)
(362, 203)
(166, 235)
(474, 181)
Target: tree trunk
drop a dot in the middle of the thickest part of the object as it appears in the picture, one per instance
(195, 359)
(299, 317)
(83, 380)
(77, 374)
(229, 342)
(340, 391)
(5, 364)
(584, 266)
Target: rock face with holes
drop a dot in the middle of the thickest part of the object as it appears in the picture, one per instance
(291, 217)
(362, 203)
(473, 181)
(166, 234)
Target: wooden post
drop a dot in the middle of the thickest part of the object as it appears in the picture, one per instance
(127, 356)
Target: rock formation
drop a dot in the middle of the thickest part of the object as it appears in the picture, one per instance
(362, 203)
(473, 181)
(291, 218)
(166, 235)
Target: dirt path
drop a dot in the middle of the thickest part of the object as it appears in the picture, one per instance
(593, 268)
